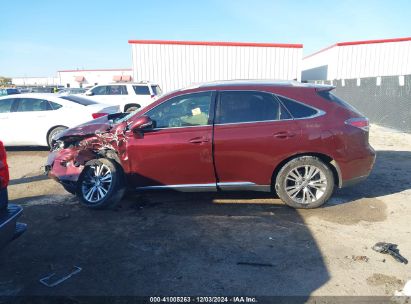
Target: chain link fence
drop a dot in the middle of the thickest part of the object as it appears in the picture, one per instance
(384, 100)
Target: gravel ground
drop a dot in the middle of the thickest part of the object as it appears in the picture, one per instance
(213, 244)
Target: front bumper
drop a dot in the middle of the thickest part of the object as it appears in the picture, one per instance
(10, 229)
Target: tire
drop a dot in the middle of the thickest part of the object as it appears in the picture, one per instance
(106, 177)
(131, 108)
(69, 189)
(53, 132)
(305, 182)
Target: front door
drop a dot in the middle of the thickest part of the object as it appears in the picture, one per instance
(253, 133)
(177, 153)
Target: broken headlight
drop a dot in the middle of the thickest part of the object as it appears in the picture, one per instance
(58, 145)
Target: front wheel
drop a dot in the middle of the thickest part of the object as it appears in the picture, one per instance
(101, 184)
(305, 182)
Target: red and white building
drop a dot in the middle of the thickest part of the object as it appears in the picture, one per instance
(359, 59)
(86, 78)
(176, 64)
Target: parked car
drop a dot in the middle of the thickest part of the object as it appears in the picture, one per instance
(9, 91)
(10, 229)
(298, 140)
(129, 96)
(33, 119)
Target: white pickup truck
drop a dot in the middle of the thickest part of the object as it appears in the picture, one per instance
(129, 96)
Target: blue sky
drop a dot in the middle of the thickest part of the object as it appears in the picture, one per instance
(40, 37)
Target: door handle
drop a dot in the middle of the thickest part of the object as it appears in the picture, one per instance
(198, 140)
(284, 134)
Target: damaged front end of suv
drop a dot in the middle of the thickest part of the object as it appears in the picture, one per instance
(90, 160)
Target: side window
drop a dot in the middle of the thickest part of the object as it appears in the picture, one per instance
(54, 105)
(247, 106)
(156, 90)
(116, 90)
(141, 90)
(297, 109)
(182, 111)
(32, 104)
(101, 90)
(5, 105)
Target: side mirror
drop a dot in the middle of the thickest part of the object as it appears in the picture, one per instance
(142, 123)
(89, 93)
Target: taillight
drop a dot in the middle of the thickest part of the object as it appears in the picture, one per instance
(4, 169)
(98, 115)
(361, 123)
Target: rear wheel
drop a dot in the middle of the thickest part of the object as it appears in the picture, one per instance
(305, 182)
(101, 184)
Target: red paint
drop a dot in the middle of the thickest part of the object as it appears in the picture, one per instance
(4, 169)
(240, 152)
(359, 43)
(210, 43)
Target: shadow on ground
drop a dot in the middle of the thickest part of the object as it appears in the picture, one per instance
(165, 244)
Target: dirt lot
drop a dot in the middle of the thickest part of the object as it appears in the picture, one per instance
(208, 244)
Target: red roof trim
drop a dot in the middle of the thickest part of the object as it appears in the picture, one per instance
(97, 70)
(211, 43)
(359, 43)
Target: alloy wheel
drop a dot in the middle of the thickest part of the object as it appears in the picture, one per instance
(305, 184)
(96, 182)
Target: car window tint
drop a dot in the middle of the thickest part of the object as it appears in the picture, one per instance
(156, 90)
(182, 111)
(297, 109)
(116, 90)
(244, 106)
(141, 90)
(5, 105)
(55, 105)
(101, 90)
(32, 104)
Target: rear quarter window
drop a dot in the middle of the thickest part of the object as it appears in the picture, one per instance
(297, 109)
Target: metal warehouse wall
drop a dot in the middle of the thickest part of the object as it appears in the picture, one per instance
(175, 64)
(388, 104)
(359, 59)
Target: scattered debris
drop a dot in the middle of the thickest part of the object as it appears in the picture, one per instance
(391, 249)
(54, 279)
(255, 264)
(361, 258)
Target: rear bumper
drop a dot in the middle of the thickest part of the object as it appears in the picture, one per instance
(357, 169)
(10, 229)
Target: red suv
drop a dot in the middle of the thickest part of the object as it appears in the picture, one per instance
(298, 140)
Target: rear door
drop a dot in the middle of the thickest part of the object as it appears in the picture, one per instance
(31, 118)
(253, 133)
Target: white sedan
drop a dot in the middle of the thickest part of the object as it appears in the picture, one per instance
(33, 119)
